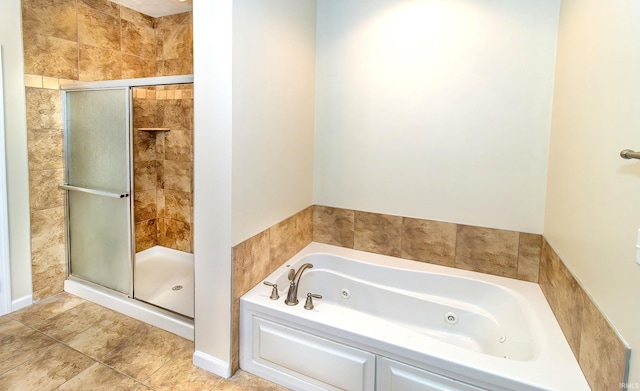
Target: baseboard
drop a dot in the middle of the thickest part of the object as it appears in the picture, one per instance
(212, 364)
(22, 302)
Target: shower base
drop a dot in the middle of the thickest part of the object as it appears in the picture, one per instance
(164, 277)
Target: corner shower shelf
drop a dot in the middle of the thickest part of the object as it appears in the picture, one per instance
(154, 129)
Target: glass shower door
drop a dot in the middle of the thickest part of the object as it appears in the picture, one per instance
(97, 141)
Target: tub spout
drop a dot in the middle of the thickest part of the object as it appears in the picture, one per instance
(294, 281)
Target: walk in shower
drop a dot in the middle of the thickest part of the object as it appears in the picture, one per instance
(129, 197)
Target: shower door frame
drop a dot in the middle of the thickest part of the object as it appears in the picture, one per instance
(106, 85)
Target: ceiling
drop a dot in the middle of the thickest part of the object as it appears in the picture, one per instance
(157, 8)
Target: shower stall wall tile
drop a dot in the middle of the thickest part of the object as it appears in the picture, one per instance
(146, 235)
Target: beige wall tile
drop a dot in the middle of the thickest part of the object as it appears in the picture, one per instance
(283, 240)
(549, 269)
(170, 21)
(487, 250)
(50, 56)
(98, 29)
(49, 270)
(99, 64)
(104, 6)
(305, 227)
(144, 205)
(160, 174)
(333, 226)
(179, 145)
(138, 39)
(177, 114)
(566, 298)
(47, 246)
(177, 205)
(44, 109)
(146, 235)
(159, 45)
(47, 228)
(46, 258)
(177, 42)
(50, 282)
(378, 233)
(603, 356)
(529, 257)
(136, 17)
(55, 18)
(178, 66)
(144, 146)
(251, 263)
(144, 176)
(175, 234)
(161, 204)
(429, 241)
(43, 189)
(45, 149)
(136, 67)
(160, 145)
(178, 176)
(145, 113)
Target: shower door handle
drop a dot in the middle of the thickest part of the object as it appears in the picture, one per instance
(66, 186)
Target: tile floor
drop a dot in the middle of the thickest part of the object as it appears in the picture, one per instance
(67, 343)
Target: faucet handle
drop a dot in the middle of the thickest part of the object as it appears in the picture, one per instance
(274, 291)
(308, 305)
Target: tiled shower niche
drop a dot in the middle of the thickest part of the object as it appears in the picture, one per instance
(163, 166)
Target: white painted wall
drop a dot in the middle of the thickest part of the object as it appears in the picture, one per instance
(593, 204)
(212, 24)
(254, 78)
(435, 109)
(273, 111)
(16, 153)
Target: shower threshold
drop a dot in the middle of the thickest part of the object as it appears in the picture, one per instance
(136, 309)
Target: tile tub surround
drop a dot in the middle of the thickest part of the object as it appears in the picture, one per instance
(67, 343)
(602, 355)
(486, 250)
(259, 256)
(86, 40)
(163, 167)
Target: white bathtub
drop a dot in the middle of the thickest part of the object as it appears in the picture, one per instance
(386, 323)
